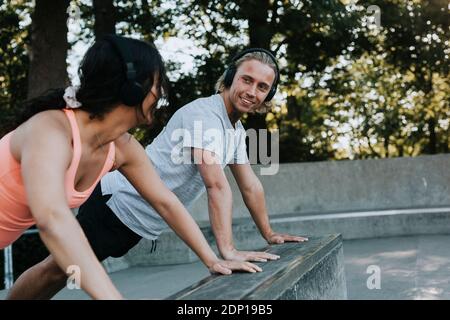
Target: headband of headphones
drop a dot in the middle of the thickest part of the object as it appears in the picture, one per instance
(231, 70)
(131, 92)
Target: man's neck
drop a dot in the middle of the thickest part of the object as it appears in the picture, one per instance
(233, 114)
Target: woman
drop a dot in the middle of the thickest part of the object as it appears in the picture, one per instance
(69, 140)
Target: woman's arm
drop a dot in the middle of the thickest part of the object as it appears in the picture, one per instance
(45, 156)
(138, 169)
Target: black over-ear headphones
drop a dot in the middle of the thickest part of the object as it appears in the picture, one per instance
(131, 92)
(231, 70)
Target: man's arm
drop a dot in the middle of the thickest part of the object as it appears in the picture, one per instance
(253, 194)
(135, 165)
(220, 208)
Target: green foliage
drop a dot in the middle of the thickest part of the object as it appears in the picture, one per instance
(381, 115)
(148, 19)
(385, 95)
(13, 62)
(411, 73)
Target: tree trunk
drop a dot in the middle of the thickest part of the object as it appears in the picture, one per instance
(105, 18)
(260, 37)
(432, 144)
(48, 49)
(386, 146)
(260, 34)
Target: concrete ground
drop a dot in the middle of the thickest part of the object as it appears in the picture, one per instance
(413, 267)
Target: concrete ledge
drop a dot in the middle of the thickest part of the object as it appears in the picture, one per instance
(312, 270)
(352, 225)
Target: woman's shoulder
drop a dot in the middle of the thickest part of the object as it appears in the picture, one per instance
(49, 121)
(51, 126)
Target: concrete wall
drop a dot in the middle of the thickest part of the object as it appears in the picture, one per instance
(358, 185)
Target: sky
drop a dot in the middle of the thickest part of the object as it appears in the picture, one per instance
(171, 49)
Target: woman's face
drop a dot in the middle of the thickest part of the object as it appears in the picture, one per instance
(149, 105)
(151, 102)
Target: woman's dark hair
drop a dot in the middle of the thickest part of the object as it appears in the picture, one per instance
(102, 73)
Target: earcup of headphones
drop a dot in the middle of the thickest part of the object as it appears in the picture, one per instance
(131, 94)
(229, 76)
(272, 92)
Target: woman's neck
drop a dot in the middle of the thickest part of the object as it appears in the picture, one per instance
(99, 132)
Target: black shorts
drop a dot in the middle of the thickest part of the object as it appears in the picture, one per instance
(106, 234)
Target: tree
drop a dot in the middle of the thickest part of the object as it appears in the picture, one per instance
(414, 36)
(105, 17)
(379, 105)
(48, 47)
(14, 62)
(306, 36)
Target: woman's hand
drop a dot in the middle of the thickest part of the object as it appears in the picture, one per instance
(228, 266)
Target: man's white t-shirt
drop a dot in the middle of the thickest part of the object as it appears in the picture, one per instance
(203, 124)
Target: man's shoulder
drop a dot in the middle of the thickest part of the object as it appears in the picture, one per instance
(202, 108)
(203, 102)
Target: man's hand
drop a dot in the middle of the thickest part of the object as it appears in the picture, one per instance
(249, 256)
(278, 238)
(227, 267)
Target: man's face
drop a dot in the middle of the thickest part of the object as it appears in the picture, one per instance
(251, 85)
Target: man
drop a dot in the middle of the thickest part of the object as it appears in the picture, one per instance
(190, 154)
